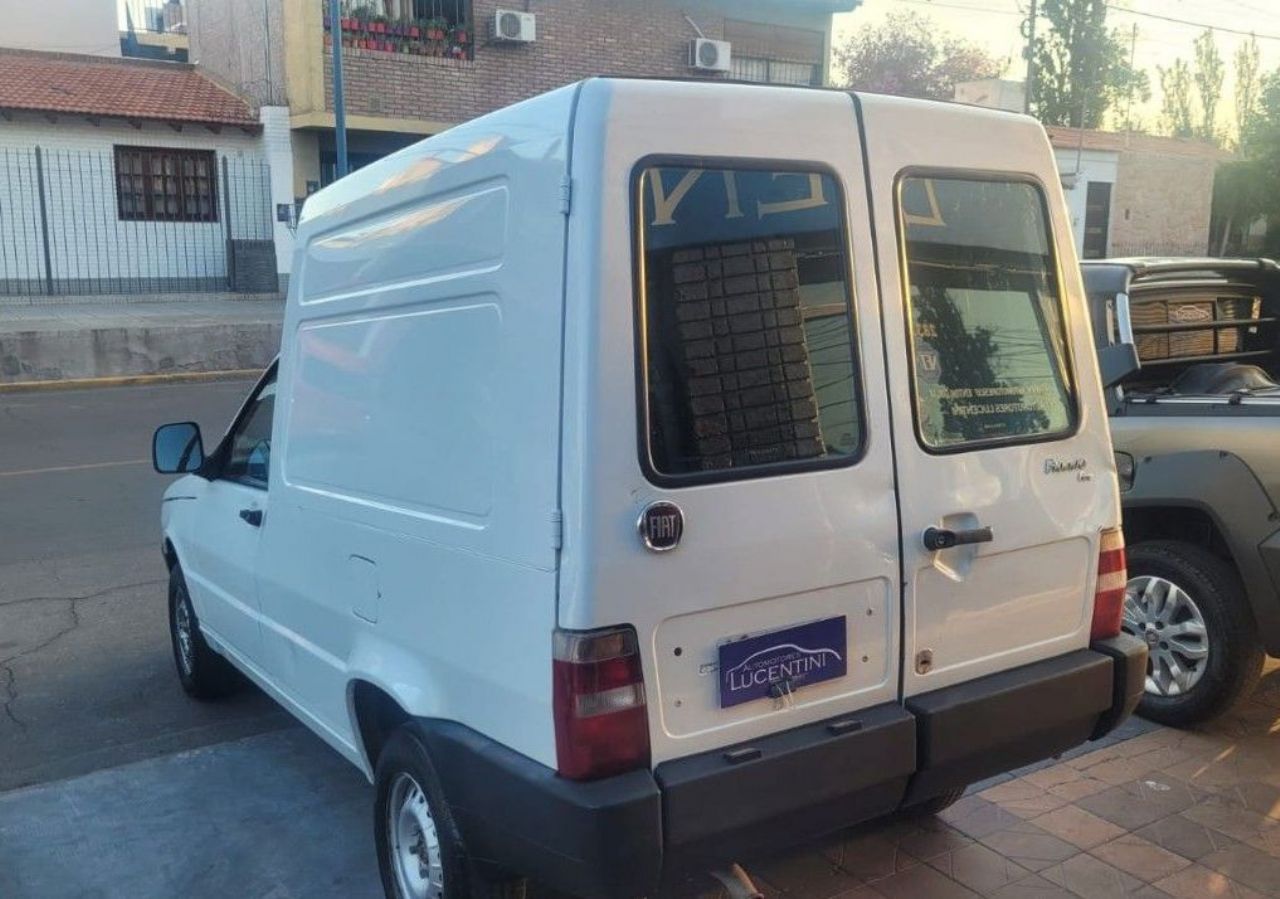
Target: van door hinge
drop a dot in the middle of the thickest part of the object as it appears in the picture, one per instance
(557, 529)
(566, 195)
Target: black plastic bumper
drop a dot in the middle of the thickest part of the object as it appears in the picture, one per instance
(622, 836)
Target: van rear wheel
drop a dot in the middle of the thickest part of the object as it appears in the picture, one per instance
(421, 854)
(1203, 648)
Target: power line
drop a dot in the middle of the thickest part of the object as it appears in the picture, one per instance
(999, 12)
(1176, 21)
(1111, 6)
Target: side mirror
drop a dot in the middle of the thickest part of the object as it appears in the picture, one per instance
(177, 448)
(1118, 358)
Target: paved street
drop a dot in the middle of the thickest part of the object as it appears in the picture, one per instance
(113, 784)
(85, 669)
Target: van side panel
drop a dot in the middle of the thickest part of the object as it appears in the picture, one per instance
(409, 536)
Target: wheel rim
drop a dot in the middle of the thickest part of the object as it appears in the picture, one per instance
(1165, 616)
(414, 841)
(183, 634)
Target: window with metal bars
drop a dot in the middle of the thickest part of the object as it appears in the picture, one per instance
(163, 184)
(773, 71)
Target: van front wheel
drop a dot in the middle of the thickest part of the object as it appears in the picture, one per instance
(203, 673)
(421, 854)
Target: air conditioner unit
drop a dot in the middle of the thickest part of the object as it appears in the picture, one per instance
(708, 55)
(514, 26)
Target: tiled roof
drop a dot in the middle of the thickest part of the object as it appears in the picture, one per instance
(121, 88)
(1119, 141)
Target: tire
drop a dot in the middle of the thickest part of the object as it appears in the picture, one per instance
(927, 808)
(404, 767)
(1235, 656)
(204, 674)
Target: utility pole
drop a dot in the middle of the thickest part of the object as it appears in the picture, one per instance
(1031, 59)
(339, 97)
(1128, 105)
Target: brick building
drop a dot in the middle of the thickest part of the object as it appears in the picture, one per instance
(1136, 194)
(413, 68)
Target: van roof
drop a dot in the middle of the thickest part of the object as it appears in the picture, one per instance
(426, 158)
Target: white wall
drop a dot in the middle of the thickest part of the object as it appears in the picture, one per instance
(1091, 165)
(277, 142)
(87, 238)
(993, 93)
(66, 26)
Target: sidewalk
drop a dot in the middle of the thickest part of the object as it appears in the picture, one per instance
(52, 342)
(1148, 812)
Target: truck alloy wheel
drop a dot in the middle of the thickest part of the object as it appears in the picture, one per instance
(1164, 615)
(1189, 606)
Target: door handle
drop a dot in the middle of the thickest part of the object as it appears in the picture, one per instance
(942, 538)
(252, 516)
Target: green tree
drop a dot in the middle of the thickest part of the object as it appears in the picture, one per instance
(1247, 83)
(1249, 187)
(1209, 73)
(907, 56)
(1083, 68)
(1176, 115)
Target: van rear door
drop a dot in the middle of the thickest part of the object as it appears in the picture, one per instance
(727, 378)
(1004, 465)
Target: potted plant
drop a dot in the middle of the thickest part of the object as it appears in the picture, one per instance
(459, 35)
(414, 31)
(361, 16)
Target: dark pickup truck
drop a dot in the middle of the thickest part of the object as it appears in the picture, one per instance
(1196, 428)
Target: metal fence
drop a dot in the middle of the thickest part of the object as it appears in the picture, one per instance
(68, 226)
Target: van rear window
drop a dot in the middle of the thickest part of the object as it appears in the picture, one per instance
(746, 332)
(988, 341)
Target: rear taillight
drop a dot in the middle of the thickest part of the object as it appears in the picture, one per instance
(1108, 597)
(602, 726)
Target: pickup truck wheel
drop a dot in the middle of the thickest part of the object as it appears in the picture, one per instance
(932, 806)
(1203, 648)
(203, 673)
(421, 854)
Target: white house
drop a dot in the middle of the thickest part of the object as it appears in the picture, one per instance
(123, 176)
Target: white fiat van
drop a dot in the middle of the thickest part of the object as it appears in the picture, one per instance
(655, 473)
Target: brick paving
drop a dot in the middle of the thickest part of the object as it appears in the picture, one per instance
(1152, 813)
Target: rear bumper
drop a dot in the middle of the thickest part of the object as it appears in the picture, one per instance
(622, 836)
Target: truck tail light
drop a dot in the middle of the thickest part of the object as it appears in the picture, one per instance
(1108, 598)
(602, 725)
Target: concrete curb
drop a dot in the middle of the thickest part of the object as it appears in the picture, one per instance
(177, 377)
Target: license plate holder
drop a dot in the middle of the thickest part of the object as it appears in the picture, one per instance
(777, 663)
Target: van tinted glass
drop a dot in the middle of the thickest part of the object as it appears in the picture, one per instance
(988, 338)
(746, 335)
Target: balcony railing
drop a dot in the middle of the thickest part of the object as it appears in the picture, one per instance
(363, 27)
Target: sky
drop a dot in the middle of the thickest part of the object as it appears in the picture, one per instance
(995, 26)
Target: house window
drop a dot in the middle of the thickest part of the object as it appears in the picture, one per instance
(454, 13)
(161, 184)
(773, 71)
